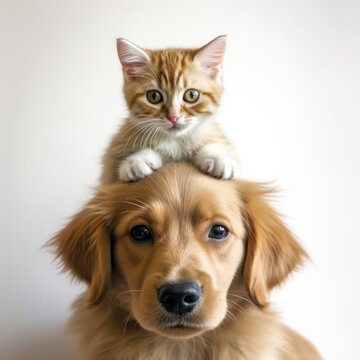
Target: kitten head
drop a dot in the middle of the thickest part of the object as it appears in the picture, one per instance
(172, 90)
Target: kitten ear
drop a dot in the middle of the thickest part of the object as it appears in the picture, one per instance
(133, 59)
(210, 57)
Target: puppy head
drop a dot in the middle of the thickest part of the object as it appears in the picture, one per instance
(171, 248)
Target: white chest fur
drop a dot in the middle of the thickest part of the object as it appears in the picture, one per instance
(179, 148)
(173, 149)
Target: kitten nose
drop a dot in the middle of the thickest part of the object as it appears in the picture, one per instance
(173, 118)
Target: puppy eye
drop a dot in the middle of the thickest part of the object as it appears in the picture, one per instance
(154, 96)
(191, 95)
(141, 233)
(218, 233)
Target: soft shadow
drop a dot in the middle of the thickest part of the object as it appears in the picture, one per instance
(39, 345)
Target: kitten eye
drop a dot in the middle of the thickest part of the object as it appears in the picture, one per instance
(218, 233)
(191, 95)
(154, 96)
(141, 233)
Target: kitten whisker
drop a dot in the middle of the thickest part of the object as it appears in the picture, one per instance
(151, 132)
(137, 125)
(144, 116)
(131, 136)
(146, 134)
(143, 132)
(153, 137)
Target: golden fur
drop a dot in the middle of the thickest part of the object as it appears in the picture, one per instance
(147, 139)
(119, 316)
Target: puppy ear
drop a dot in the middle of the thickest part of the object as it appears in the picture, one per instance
(272, 251)
(84, 247)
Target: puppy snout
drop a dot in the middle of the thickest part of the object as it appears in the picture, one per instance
(179, 298)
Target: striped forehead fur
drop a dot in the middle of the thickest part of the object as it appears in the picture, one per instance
(170, 70)
(169, 64)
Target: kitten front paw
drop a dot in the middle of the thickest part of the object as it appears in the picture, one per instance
(139, 165)
(221, 167)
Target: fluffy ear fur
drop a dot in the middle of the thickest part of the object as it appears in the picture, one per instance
(210, 57)
(84, 248)
(272, 251)
(133, 59)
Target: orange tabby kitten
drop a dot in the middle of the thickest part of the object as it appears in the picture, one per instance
(173, 96)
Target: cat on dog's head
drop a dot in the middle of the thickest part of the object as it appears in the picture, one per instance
(173, 95)
(177, 88)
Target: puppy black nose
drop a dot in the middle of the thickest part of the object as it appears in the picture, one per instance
(179, 298)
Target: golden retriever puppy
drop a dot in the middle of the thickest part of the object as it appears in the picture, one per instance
(178, 267)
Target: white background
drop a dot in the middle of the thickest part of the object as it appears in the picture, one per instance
(291, 105)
